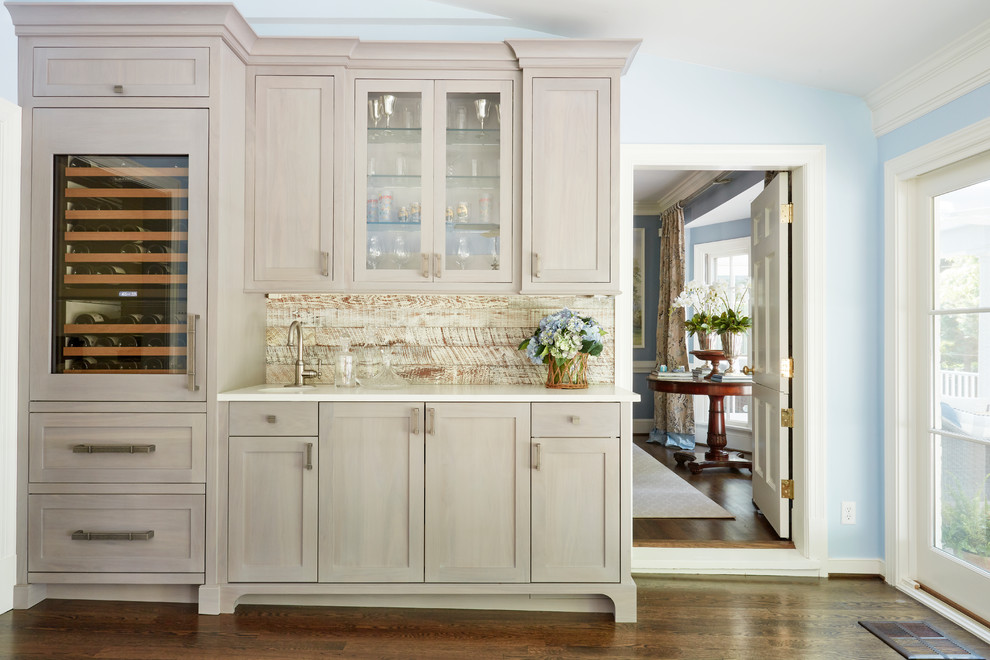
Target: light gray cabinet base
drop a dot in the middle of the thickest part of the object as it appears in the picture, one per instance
(577, 597)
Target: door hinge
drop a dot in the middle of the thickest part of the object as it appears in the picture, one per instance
(787, 418)
(787, 489)
(787, 367)
(786, 214)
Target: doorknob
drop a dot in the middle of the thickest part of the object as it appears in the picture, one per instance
(749, 371)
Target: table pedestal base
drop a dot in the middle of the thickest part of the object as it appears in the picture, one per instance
(698, 461)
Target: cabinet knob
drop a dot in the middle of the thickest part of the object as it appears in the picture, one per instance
(575, 420)
(271, 419)
(118, 89)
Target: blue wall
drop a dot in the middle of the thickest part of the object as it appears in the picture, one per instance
(669, 102)
(651, 282)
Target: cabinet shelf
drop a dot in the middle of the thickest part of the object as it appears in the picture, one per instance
(124, 257)
(124, 328)
(127, 171)
(395, 181)
(117, 372)
(394, 226)
(489, 137)
(126, 214)
(474, 182)
(477, 227)
(126, 236)
(123, 351)
(126, 192)
(395, 135)
(117, 280)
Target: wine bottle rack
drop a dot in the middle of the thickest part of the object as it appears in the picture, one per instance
(121, 233)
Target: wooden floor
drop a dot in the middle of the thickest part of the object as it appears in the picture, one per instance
(731, 488)
(751, 617)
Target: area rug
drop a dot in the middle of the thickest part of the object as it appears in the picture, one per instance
(659, 493)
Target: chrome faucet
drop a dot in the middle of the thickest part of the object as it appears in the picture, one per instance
(301, 371)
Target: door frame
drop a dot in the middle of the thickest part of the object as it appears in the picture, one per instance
(902, 344)
(809, 529)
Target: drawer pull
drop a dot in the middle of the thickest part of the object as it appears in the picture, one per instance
(118, 89)
(271, 419)
(81, 535)
(309, 455)
(113, 449)
(575, 420)
(537, 455)
(325, 268)
(431, 421)
(416, 414)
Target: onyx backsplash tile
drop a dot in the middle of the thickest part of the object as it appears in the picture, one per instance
(441, 339)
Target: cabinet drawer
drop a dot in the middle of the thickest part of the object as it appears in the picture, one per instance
(583, 420)
(274, 418)
(116, 533)
(121, 72)
(118, 447)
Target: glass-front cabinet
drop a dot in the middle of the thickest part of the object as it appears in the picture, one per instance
(434, 168)
(122, 202)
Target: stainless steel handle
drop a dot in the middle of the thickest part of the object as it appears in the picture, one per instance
(416, 414)
(271, 419)
(309, 455)
(438, 265)
(80, 535)
(426, 264)
(325, 268)
(113, 449)
(191, 322)
(431, 421)
(118, 89)
(537, 268)
(537, 451)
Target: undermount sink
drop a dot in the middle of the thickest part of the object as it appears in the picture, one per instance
(287, 389)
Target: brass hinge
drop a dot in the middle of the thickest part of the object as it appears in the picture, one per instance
(786, 214)
(787, 418)
(787, 489)
(787, 367)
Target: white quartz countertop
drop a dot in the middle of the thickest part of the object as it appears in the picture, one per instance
(495, 393)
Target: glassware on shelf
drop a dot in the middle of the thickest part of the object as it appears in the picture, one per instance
(374, 251)
(400, 251)
(370, 365)
(388, 379)
(344, 374)
(375, 109)
(463, 252)
(388, 108)
(482, 107)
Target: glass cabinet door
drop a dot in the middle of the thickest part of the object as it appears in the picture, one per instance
(475, 176)
(121, 199)
(393, 232)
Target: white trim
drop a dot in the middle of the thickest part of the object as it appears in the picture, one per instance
(955, 70)
(912, 589)
(719, 561)
(10, 181)
(900, 339)
(809, 525)
(855, 566)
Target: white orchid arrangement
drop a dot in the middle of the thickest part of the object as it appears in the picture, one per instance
(717, 307)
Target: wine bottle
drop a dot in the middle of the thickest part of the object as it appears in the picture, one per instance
(127, 340)
(77, 248)
(130, 318)
(80, 340)
(107, 340)
(158, 269)
(83, 269)
(108, 269)
(131, 227)
(153, 363)
(83, 363)
(133, 248)
(154, 318)
(159, 248)
(89, 318)
(153, 341)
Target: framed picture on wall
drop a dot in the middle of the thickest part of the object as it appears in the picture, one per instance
(639, 290)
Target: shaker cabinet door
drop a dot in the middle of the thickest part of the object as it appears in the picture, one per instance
(291, 184)
(567, 213)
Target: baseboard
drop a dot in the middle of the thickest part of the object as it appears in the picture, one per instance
(642, 425)
(855, 567)
(152, 593)
(8, 578)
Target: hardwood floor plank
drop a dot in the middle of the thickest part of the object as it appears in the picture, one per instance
(691, 617)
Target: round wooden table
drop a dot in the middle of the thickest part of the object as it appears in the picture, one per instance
(716, 456)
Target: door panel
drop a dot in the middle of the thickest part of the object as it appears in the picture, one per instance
(771, 383)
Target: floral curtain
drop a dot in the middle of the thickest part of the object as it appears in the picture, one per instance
(673, 414)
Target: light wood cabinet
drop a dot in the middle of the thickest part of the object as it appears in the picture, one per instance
(477, 492)
(121, 72)
(272, 509)
(576, 509)
(434, 192)
(292, 184)
(570, 231)
(371, 492)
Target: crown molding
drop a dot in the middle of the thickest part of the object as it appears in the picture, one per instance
(955, 70)
(646, 208)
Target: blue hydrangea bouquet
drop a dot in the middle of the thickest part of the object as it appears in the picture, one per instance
(563, 342)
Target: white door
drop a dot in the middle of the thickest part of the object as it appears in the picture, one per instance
(771, 377)
(951, 481)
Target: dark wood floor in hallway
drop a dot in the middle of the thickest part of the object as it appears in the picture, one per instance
(731, 488)
(757, 618)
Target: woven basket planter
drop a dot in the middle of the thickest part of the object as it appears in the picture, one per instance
(572, 376)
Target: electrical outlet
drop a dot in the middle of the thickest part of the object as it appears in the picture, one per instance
(848, 515)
